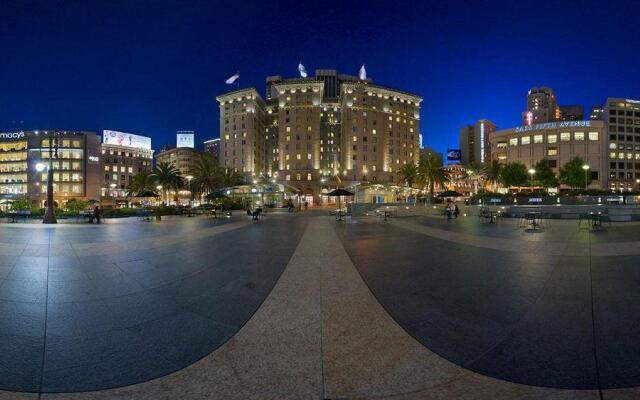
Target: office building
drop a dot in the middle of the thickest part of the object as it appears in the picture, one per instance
(474, 142)
(622, 119)
(542, 106)
(123, 156)
(571, 113)
(212, 146)
(24, 156)
(307, 132)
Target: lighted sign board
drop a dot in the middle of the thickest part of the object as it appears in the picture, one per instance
(11, 135)
(454, 154)
(126, 139)
(185, 140)
(554, 125)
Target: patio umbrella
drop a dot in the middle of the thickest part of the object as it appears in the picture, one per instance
(218, 194)
(147, 193)
(339, 192)
(449, 193)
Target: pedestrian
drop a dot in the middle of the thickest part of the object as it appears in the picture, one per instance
(456, 210)
(96, 214)
(306, 205)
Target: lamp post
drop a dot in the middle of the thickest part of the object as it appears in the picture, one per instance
(50, 214)
(532, 172)
(189, 178)
(585, 167)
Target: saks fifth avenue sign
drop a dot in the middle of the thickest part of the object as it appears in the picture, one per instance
(11, 135)
(553, 125)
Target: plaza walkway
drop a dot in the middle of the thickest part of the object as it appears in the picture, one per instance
(301, 307)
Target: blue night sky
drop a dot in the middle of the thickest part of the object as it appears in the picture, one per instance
(155, 67)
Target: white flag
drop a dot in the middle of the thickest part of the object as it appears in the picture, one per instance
(303, 70)
(362, 74)
(232, 79)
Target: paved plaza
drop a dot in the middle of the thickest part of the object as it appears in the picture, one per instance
(299, 306)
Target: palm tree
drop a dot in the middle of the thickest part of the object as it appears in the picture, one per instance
(431, 172)
(229, 177)
(475, 171)
(143, 181)
(408, 174)
(206, 177)
(169, 178)
(494, 173)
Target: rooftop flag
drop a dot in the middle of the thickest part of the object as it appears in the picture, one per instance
(232, 79)
(362, 74)
(302, 70)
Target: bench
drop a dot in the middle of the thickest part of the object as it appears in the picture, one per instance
(20, 214)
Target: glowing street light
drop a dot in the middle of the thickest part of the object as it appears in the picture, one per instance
(532, 172)
(585, 167)
(40, 167)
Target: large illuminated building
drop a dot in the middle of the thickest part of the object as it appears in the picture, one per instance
(24, 156)
(123, 156)
(309, 132)
(557, 142)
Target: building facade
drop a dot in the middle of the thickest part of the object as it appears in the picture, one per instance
(309, 133)
(212, 146)
(122, 159)
(622, 119)
(474, 142)
(184, 159)
(24, 157)
(557, 142)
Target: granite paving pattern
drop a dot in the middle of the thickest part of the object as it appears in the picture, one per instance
(536, 316)
(95, 307)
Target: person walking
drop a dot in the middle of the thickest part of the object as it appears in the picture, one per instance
(96, 214)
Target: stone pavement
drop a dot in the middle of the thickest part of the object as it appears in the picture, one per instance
(322, 334)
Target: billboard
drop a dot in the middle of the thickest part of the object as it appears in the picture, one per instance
(126, 139)
(185, 139)
(454, 155)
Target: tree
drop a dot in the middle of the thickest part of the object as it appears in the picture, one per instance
(493, 172)
(22, 203)
(573, 175)
(545, 176)
(230, 177)
(431, 172)
(206, 177)
(143, 181)
(169, 178)
(475, 171)
(514, 174)
(408, 174)
(75, 205)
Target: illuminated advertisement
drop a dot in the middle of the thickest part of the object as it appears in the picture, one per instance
(126, 139)
(185, 139)
(454, 154)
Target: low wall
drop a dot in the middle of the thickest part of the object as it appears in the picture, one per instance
(615, 212)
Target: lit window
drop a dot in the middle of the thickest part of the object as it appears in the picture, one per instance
(578, 135)
(538, 139)
(308, 156)
(525, 140)
(552, 138)
(612, 154)
(288, 177)
(565, 136)
(593, 135)
(513, 142)
(309, 176)
(552, 151)
(613, 146)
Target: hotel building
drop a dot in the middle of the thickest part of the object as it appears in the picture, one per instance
(76, 169)
(308, 132)
(184, 159)
(474, 142)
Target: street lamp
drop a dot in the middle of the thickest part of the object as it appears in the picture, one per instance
(50, 214)
(532, 172)
(585, 167)
(189, 178)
